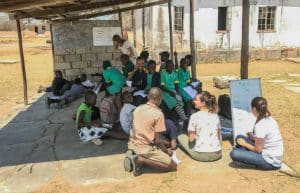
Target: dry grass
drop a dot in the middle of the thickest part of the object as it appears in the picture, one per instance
(39, 67)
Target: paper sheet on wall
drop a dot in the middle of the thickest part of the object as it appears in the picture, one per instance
(102, 36)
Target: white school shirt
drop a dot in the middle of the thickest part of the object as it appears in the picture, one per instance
(126, 117)
(126, 46)
(268, 129)
(206, 126)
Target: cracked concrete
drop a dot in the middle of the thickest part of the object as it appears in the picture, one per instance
(41, 144)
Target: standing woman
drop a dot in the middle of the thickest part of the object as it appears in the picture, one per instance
(263, 148)
(125, 47)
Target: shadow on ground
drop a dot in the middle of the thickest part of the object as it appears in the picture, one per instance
(39, 134)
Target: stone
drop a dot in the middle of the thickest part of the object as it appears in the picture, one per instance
(82, 64)
(90, 70)
(8, 61)
(116, 63)
(296, 60)
(59, 59)
(73, 72)
(277, 81)
(116, 55)
(110, 49)
(60, 66)
(293, 75)
(60, 51)
(222, 82)
(98, 49)
(89, 57)
(83, 50)
(72, 58)
(96, 63)
(105, 56)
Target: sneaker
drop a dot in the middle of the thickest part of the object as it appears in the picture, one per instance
(97, 141)
(127, 161)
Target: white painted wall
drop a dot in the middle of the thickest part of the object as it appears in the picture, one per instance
(287, 27)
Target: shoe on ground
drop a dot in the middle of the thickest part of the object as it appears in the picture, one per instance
(135, 166)
(97, 141)
(127, 161)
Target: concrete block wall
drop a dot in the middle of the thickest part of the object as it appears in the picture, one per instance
(74, 52)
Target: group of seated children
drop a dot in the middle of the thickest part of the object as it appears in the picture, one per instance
(65, 91)
(151, 123)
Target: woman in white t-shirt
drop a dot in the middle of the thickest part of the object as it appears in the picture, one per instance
(264, 147)
(203, 142)
(125, 47)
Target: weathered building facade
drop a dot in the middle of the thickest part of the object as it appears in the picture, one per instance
(273, 32)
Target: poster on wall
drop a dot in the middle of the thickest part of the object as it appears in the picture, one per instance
(102, 36)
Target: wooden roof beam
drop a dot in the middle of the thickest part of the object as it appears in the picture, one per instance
(30, 4)
(73, 8)
(139, 6)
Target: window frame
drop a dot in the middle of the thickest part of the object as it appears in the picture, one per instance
(176, 25)
(266, 22)
(226, 20)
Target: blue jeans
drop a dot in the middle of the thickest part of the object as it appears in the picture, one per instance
(243, 155)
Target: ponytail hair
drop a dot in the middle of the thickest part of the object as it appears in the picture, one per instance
(210, 101)
(261, 106)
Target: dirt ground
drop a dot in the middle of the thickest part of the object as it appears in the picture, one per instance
(284, 106)
(39, 67)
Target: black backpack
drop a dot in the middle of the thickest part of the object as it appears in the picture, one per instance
(224, 106)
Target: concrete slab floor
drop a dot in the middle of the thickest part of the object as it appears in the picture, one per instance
(41, 144)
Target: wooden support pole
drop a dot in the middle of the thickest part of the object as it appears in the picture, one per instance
(22, 62)
(192, 40)
(143, 28)
(52, 46)
(133, 28)
(121, 23)
(170, 29)
(245, 40)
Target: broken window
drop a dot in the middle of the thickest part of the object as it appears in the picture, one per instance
(266, 18)
(178, 18)
(222, 18)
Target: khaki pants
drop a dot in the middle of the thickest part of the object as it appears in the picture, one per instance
(150, 152)
(199, 156)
